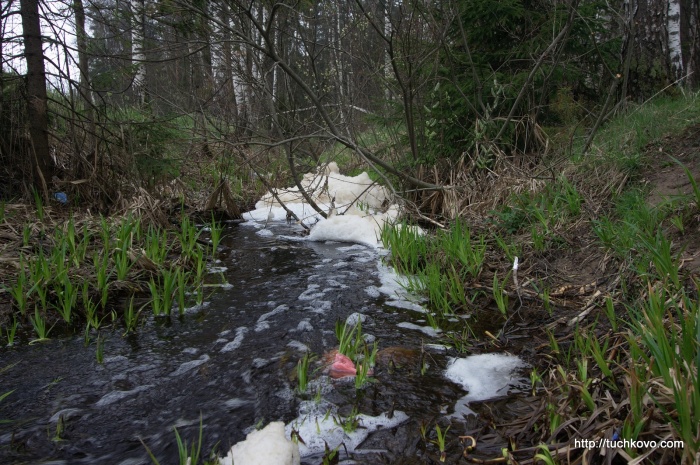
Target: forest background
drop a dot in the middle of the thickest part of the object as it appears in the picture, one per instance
(102, 98)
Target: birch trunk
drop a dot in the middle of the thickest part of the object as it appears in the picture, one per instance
(673, 27)
(138, 49)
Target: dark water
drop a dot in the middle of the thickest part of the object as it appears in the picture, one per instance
(230, 364)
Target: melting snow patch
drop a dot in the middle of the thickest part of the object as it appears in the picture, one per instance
(427, 330)
(484, 376)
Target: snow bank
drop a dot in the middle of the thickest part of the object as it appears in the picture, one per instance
(353, 203)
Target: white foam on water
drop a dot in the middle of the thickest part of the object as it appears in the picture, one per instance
(311, 294)
(264, 233)
(267, 446)
(406, 305)
(131, 461)
(300, 346)
(437, 347)
(66, 413)
(116, 396)
(339, 197)
(187, 366)
(326, 184)
(484, 376)
(221, 285)
(198, 307)
(286, 394)
(263, 324)
(334, 283)
(392, 284)
(217, 269)
(319, 306)
(260, 362)
(304, 326)
(237, 341)
(319, 425)
(351, 248)
(115, 359)
(353, 318)
(364, 258)
(235, 403)
(427, 330)
(372, 291)
(348, 228)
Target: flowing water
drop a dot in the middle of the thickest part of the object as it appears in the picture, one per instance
(230, 364)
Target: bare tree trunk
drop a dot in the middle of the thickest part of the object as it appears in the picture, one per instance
(36, 95)
(339, 68)
(690, 34)
(138, 49)
(675, 54)
(227, 51)
(85, 88)
(630, 12)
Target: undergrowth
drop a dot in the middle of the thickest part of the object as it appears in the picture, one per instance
(89, 273)
(625, 363)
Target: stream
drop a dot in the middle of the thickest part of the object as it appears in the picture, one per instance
(232, 364)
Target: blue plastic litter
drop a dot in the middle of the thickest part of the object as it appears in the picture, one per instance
(61, 197)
